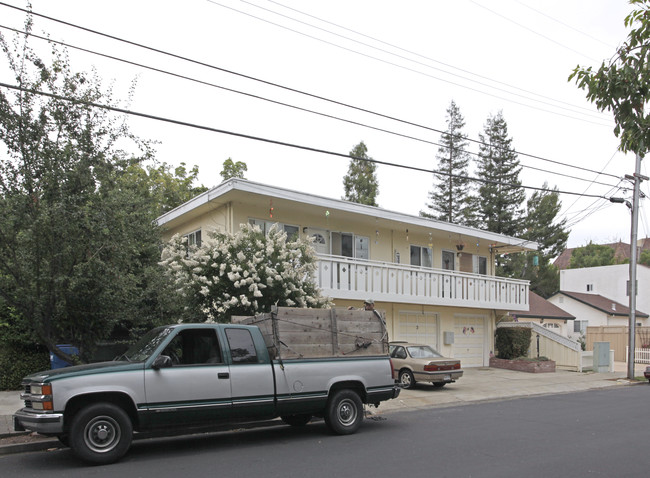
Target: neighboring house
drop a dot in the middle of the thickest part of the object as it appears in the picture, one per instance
(621, 252)
(595, 310)
(434, 280)
(548, 315)
(610, 282)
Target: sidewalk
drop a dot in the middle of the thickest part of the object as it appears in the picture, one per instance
(476, 385)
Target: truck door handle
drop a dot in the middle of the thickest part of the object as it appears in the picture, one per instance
(223, 375)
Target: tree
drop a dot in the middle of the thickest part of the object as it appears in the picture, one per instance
(77, 244)
(164, 188)
(451, 200)
(501, 195)
(644, 258)
(233, 170)
(360, 183)
(541, 226)
(622, 84)
(592, 255)
(243, 273)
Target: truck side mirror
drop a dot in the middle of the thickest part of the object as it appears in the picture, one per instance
(162, 361)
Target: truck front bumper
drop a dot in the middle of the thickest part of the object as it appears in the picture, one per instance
(44, 423)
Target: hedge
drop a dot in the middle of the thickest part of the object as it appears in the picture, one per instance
(16, 363)
(512, 342)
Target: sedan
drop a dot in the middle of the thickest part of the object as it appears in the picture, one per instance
(646, 373)
(420, 363)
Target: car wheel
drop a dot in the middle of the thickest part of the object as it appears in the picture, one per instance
(101, 433)
(296, 420)
(439, 384)
(64, 440)
(344, 412)
(406, 379)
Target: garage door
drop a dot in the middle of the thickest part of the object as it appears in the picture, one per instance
(418, 327)
(469, 340)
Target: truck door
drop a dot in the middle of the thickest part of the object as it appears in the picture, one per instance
(196, 388)
(251, 376)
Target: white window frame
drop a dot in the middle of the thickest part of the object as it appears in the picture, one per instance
(421, 255)
(193, 238)
(265, 226)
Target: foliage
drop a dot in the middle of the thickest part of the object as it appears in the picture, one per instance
(77, 242)
(644, 258)
(243, 273)
(592, 255)
(501, 195)
(360, 183)
(18, 362)
(512, 342)
(163, 187)
(541, 226)
(233, 170)
(450, 200)
(621, 84)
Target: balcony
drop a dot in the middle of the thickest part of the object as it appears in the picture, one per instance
(347, 278)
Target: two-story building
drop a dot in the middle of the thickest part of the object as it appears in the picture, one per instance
(434, 280)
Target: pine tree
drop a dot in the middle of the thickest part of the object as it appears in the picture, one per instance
(450, 199)
(501, 195)
(360, 183)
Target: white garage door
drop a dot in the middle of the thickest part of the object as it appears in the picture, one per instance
(418, 327)
(469, 340)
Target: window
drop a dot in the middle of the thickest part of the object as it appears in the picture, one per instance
(448, 258)
(421, 256)
(551, 325)
(194, 238)
(590, 287)
(480, 265)
(265, 226)
(580, 326)
(194, 347)
(242, 348)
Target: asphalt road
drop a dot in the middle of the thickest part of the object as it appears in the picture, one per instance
(602, 433)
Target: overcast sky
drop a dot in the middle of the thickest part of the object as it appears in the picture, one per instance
(405, 60)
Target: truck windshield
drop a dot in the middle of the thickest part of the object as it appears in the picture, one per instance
(147, 345)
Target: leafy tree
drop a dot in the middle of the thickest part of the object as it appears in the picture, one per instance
(233, 170)
(541, 226)
(644, 258)
(450, 200)
(163, 187)
(77, 244)
(621, 84)
(360, 183)
(501, 195)
(243, 273)
(592, 255)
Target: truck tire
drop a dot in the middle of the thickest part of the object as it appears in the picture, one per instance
(101, 433)
(296, 420)
(344, 412)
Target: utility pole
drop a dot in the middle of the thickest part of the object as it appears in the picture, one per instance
(633, 261)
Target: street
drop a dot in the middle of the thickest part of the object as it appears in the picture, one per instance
(595, 433)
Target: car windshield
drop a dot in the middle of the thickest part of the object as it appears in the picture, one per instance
(147, 345)
(422, 351)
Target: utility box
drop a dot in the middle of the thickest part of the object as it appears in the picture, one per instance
(449, 338)
(601, 357)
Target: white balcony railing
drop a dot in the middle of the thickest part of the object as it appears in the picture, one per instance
(346, 278)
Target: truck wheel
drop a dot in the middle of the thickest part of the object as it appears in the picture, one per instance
(101, 433)
(344, 412)
(296, 420)
(406, 379)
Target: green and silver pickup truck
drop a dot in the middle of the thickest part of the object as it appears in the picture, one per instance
(188, 375)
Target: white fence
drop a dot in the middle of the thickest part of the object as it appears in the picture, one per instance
(640, 355)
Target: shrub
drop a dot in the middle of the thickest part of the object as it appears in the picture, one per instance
(512, 342)
(18, 362)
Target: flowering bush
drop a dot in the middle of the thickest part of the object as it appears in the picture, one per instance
(243, 273)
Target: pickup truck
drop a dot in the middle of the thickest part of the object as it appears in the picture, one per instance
(185, 375)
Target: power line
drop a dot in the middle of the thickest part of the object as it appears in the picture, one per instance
(177, 75)
(281, 143)
(407, 68)
(591, 113)
(293, 90)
